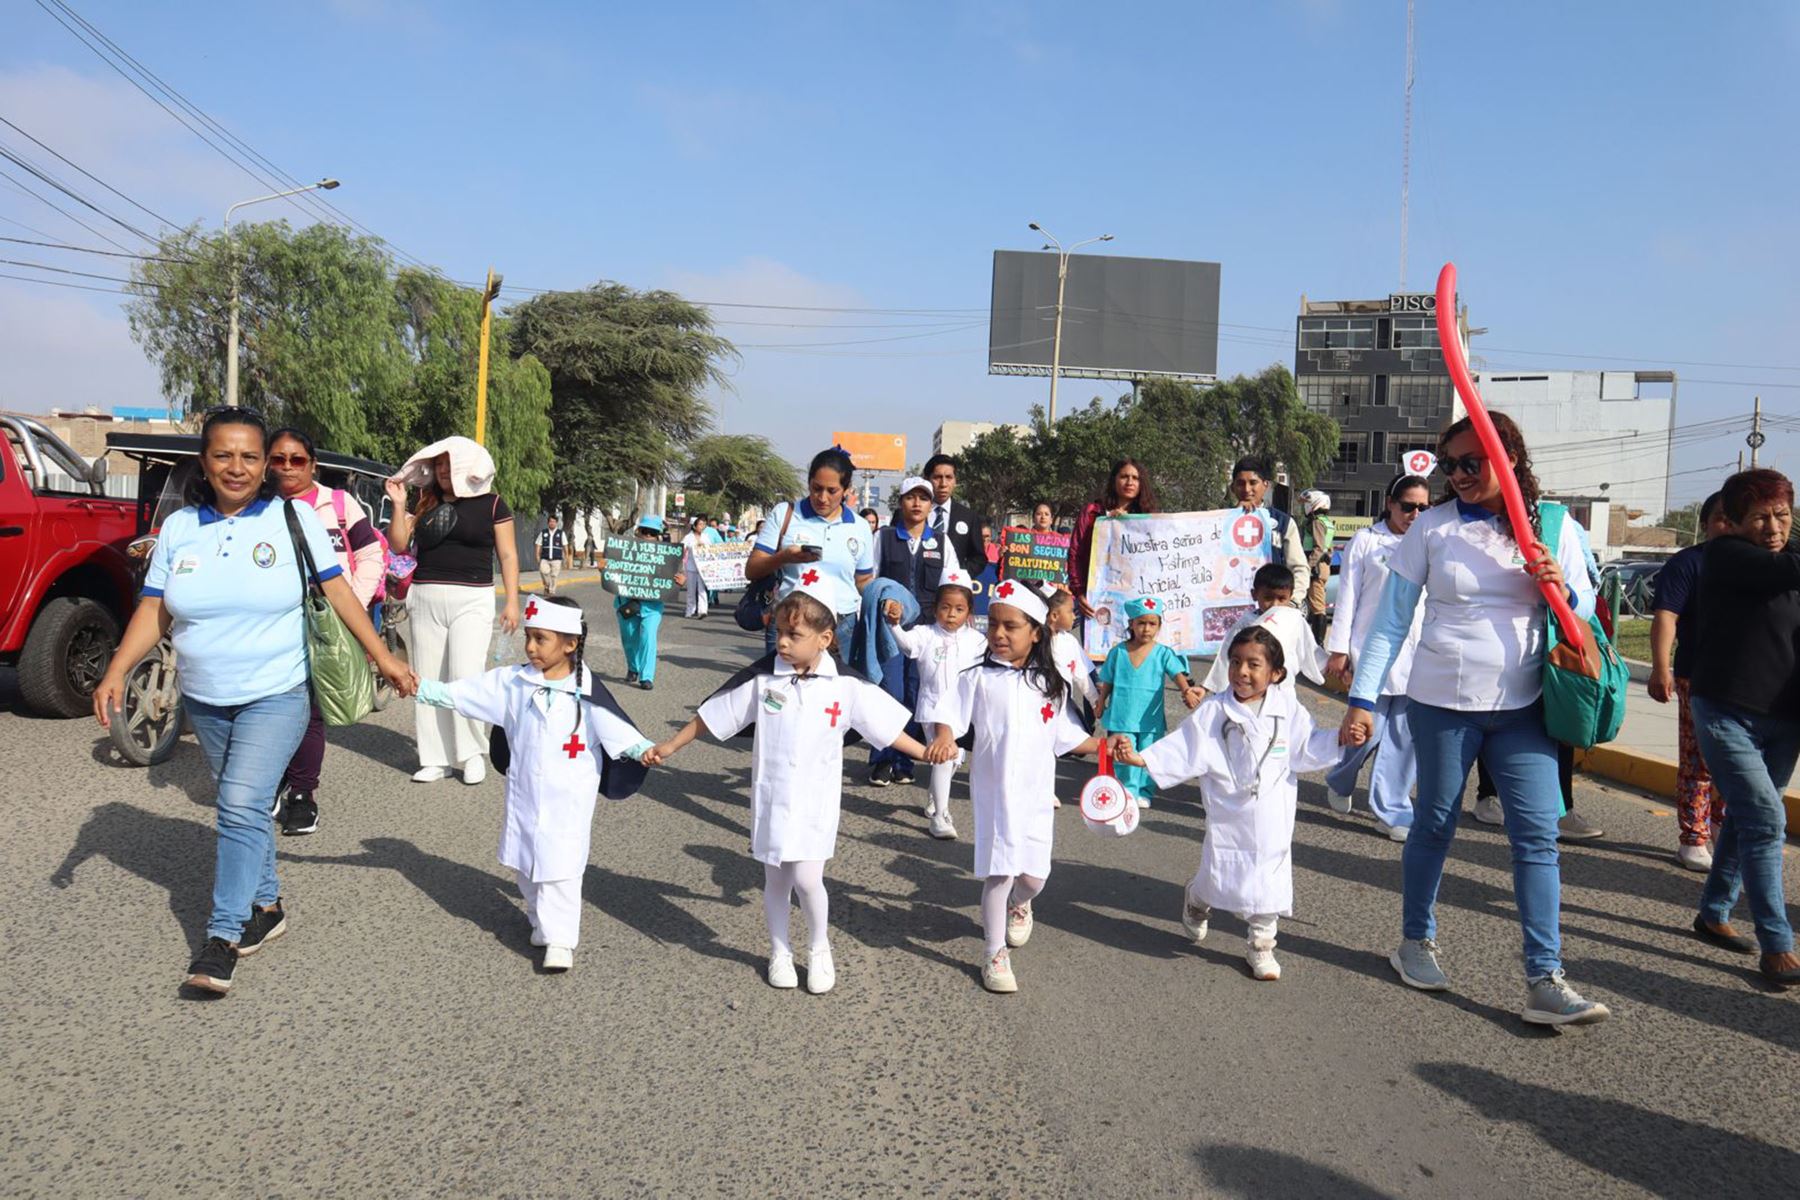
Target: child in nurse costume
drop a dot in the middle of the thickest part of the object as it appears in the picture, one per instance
(1072, 661)
(1244, 746)
(1131, 688)
(943, 650)
(1272, 588)
(802, 708)
(1017, 707)
(561, 739)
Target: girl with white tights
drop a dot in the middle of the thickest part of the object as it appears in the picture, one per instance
(801, 709)
(944, 650)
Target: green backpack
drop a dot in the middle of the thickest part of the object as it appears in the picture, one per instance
(343, 686)
(1584, 693)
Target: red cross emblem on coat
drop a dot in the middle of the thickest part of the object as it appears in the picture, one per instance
(531, 610)
(1004, 590)
(834, 712)
(1046, 712)
(810, 578)
(574, 745)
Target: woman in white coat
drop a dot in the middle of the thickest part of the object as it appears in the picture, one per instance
(1360, 580)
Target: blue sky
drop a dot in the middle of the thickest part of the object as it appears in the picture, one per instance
(1614, 180)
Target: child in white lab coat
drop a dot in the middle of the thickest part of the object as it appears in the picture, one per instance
(802, 709)
(943, 650)
(1016, 704)
(1271, 589)
(561, 739)
(1244, 746)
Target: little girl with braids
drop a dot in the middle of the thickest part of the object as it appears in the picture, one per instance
(561, 739)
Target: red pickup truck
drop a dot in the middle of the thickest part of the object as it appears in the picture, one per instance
(66, 582)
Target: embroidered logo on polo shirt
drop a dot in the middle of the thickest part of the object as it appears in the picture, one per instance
(263, 555)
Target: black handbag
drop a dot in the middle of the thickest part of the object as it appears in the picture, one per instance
(752, 611)
(434, 525)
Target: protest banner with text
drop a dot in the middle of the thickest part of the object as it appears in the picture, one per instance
(1034, 557)
(1198, 564)
(722, 565)
(639, 568)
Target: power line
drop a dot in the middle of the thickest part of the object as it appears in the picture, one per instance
(87, 249)
(25, 189)
(109, 187)
(14, 262)
(72, 194)
(80, 287)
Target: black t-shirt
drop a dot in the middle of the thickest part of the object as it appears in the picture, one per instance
(1749, 645)
(466, 557)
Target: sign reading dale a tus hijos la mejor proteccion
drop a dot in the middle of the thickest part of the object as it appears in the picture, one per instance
(1199, 565)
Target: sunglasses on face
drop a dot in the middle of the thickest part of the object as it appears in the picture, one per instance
(288, 460)
(1468, 464)
(1412, 506)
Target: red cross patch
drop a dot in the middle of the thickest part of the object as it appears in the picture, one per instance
(1004, 590)
(1150, 605)
(834, 712)
(1247, 531)
(810, 578)
(1046, 712)
(531, 610)
(574, 745)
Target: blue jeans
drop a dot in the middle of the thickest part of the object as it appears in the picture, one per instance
(1751, 758)
(1396, 767)
(899, 679)
(248, 747)
(1522, 759)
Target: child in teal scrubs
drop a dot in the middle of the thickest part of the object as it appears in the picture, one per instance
(1131, 689)
(640, 621)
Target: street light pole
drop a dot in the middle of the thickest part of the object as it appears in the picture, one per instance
(231, 338)
(1062, 279)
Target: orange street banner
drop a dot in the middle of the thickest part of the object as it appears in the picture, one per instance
(874, 451)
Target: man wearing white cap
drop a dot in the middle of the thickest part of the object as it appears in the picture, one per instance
(912, 554)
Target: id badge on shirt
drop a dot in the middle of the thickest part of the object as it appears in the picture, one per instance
(187, 566)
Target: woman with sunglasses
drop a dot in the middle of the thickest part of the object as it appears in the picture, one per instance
(293, 466)
(1361, 577)
(1476, 688)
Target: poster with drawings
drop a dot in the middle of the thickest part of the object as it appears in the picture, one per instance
(1200, 564)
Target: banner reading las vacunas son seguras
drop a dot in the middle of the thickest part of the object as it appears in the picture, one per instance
(1199, 564)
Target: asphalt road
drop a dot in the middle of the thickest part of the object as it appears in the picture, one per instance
(400, 1042)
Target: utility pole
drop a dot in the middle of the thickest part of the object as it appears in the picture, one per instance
(1756, 439)
(1406, 145)
(488, 294)
(1062, 277)
(231, 337)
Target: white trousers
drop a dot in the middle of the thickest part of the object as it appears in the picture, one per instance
(1259, 928)
(452, 627)
(554, 906)
(696, 592)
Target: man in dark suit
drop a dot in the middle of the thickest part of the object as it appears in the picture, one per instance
(952, 521)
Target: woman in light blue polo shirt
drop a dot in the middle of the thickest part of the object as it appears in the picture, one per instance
(821, 533)
(224, 579)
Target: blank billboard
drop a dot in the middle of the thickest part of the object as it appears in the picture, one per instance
(1123, 318)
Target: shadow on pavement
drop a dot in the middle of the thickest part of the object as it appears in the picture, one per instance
(1664, 1155)
(378, 744)
(174, 854)
(1733, 1003)
(1252, 1171)
(185, 769)
(468, 893)
(648, 906)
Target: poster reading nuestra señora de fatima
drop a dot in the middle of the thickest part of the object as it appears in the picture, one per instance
(1198, 564)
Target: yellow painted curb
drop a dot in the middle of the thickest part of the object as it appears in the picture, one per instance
(561, 581)
(1649, 773)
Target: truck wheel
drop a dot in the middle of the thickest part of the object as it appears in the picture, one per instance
(65, 655)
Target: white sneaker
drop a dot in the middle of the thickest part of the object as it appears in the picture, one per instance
(1395, 833)
(1489, 812)
(781, 971)
(1194, 919)
(430, 774)
(942, 827)
(1018, 924)
(821, 972)
(474, 770)
(558, 958)
(1695, 858)
(1339, 804)
(1262, 962)
(997, 974)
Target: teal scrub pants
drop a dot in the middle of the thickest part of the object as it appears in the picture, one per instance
(639, 636)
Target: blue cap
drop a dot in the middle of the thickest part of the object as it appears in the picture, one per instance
(1143, 606)
(650, 521)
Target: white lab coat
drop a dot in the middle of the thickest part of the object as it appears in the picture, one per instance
(797, 763)
(550, 792)
(1300, 651)
(943, 655)
(1363, 574)
(1246, 861)
(1019, 734)
(1076, 667)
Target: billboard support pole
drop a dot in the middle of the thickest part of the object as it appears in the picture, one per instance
(1062, 277)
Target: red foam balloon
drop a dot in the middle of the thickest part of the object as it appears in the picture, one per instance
(1573, 630)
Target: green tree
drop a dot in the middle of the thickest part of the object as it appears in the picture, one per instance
(999, 473)
(1685, 521)
(320, 344)
(1264, 415)
(728, 472)
(627, 373)
(442, 333)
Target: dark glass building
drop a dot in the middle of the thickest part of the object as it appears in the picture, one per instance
(1375, 368)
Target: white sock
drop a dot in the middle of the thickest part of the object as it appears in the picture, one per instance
(995, 891)
(815, 906)
(778, 888)
(941, 775)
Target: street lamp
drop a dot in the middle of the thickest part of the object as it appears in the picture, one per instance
(231, 339)
(1062, 277)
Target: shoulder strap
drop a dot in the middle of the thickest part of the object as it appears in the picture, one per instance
(337, 506)
(1550, 516)
(303, 559)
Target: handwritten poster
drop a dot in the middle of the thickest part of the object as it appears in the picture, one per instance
(722, 565)
(1198, 564)
(639, 568)
(1034, 557)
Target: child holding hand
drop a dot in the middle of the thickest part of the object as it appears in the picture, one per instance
(1244, 746)
(1131, 688)
(801, 709)
(943, 650)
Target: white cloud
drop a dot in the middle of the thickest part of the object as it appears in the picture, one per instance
(62, 351)
(757, 280)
